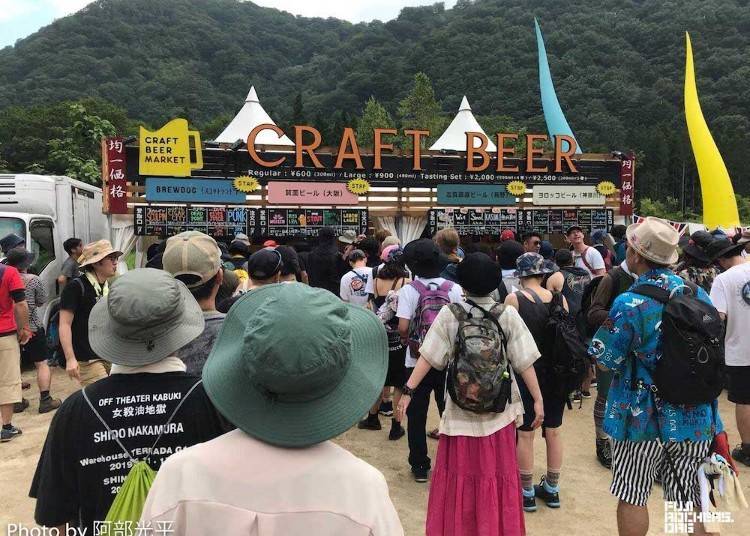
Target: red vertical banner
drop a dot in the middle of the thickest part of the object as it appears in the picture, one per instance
(114, 180)
(627, 185)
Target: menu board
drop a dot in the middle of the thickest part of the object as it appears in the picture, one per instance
(548, 221)
(218, 222)
(474, 222)
(289, 222)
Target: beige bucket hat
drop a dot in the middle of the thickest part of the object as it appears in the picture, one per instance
(96, 251)
(654, 239)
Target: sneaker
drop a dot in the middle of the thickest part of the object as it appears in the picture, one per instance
(586, 394)
(552, 498)
(49, 404)
(7, 435)
(741, 455)
(386, 409)
(594, 384)
(397, 431)
(421, 474)
(529, 502)
(604, 452)
(370, 423)
(20, 407)
(577, 396)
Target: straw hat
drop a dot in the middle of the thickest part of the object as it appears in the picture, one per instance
(96, 251)
(654, 239)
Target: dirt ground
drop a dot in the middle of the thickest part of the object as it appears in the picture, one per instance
(587, 506)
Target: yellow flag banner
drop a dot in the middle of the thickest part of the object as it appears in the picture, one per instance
(719, 203)
(166, 152)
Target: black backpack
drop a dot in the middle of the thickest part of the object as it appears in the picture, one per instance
(690, 370)
(568, 354)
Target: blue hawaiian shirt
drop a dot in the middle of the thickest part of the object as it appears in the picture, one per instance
(634, 328)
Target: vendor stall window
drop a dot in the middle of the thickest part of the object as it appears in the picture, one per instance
(42, 244)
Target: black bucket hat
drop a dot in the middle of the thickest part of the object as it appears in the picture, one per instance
(423, 258)
(478, 274)
(721, 247)
(696, 246)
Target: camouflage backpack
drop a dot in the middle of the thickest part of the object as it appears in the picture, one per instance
(478, 377)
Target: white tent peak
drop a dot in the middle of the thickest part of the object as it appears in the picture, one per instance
(252, 96)
(454, 137)
(250, 116)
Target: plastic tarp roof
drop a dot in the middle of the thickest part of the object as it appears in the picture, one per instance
(454, 137)
(250, 116)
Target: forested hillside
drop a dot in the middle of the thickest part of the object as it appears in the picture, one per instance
(618, 66)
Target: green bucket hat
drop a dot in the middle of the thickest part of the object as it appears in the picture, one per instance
(147, 316)
(294, 365)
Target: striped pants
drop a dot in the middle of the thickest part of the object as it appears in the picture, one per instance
(635, 466)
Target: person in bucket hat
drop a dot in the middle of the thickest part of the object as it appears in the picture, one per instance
(533, 305)
(696, 265)
(629, 343)
(293, 367)
(98, 264)
(146, 410)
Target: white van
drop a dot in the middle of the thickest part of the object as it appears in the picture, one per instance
(47, 210)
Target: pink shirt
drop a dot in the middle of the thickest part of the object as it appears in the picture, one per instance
(236, 484)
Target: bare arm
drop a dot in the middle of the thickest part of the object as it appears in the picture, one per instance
(512, 300)
(555, 282)
(403, 328)
(66, 341)
(21, 312)
(61, 281)
(532, 384)
(417, 375)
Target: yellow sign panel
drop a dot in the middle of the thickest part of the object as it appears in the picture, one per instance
(517, 188)
(606, 188)
(166, 152)
(358, 186)
(246, 184)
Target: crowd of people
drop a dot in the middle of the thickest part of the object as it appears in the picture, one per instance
(229, 371)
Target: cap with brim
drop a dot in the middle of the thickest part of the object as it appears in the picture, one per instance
(745, 238)
(296, 391)
(264, 264)
(148, 315)
(532, 264)
(348, 237)
(8, 242)
(96, 251)
(573, 228)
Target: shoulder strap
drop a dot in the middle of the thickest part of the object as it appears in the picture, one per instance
(375, 272)
(169, 421)
(489, 314)
(652, 291)
(446, 285)
(419, 287)
(359, 276)
(106, 426)
(585, 262)
(536, 297)
(458, 311)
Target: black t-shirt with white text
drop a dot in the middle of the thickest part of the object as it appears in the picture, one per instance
(80, 297)
(81, 467)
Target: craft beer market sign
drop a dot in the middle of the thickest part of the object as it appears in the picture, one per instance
(166, 152)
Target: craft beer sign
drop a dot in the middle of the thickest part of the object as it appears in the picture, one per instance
(167, 152)
(477, 157)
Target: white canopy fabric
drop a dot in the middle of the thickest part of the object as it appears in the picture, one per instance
(250, 116)
(454, 137)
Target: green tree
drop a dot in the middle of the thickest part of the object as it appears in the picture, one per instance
(77, 152)
(420, 110)
(374, 115)
(669, 209)
(298, 111)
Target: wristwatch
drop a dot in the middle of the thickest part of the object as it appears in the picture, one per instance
(408, 391)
